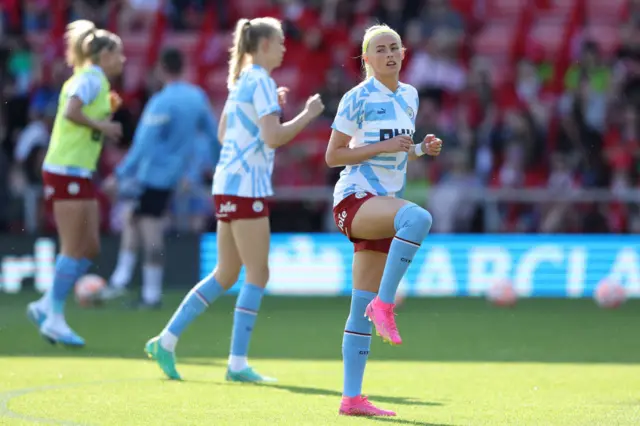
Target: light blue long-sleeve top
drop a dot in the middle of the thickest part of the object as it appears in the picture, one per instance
(176, 138)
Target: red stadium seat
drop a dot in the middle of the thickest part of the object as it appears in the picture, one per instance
(494, 39)
(135, 45)
(559, 12)
(503, 10)
(547, 37)
(216, 81)
(134, 74)
(185, 42)
(605, 11)
(287, 77)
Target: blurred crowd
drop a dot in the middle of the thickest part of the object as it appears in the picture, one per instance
(508, 123)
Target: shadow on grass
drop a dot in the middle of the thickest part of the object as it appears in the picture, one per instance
(396, 420)
(303, 390)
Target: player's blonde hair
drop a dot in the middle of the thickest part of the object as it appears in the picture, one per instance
(85, 42)
(369, 34)
(246, 38)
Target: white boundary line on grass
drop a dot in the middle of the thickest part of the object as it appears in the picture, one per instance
(6, 397)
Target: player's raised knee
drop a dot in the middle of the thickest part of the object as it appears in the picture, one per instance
(415, 218)
(425, 220)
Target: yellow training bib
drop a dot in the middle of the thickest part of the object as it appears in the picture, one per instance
(73, 145)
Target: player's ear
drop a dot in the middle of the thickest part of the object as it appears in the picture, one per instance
(404, 51)
(264, 44)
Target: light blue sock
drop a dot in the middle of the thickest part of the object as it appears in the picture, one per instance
(83, 266)
(67, 272)
(244, 318)
(356, 342)
(194, 303)
(412, 225)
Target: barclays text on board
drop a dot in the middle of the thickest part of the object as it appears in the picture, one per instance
(456, 265)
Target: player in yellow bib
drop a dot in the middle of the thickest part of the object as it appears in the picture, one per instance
(83, 120)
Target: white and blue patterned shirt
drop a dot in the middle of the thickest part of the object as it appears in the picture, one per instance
(246, 162)
(370, 113)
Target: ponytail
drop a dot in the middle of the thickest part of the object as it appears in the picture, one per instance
(85, 42)
(238, 51)
(246, 37)
(75, 36)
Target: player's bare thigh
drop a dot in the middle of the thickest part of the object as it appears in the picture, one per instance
(77, 222)
(229, 262)
(368, 267)
(374, 219)
(253, 237)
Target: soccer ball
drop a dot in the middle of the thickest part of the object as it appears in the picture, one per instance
(501, 293)
(86, 289)
(609, 294)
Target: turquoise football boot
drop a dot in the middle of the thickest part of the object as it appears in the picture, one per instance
(248, 375)
(165, 359)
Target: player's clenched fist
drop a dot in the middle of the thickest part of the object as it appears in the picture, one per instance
(432, 145)
(314, 105)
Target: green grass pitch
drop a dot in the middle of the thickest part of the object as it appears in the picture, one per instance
(545, 362)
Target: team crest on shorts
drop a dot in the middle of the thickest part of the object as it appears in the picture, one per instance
(360, 195)
(258, 206)
(410, 112)
(73, 188)
(49, 191)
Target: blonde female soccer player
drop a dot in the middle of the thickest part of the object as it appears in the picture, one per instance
(251, 131)
(83, 120)
(372, 138)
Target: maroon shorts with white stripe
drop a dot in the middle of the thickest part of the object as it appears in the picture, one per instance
(343, 215)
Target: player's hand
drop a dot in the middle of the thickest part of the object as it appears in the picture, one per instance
(400, 143)
(282, 96)
(431, 145)
(111, 129)
(314, 106)
(110, 186)
(115, 100)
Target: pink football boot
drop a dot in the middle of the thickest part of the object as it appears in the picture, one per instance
(360, 406)
(383, 318)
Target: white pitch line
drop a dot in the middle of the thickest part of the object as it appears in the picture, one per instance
(6, 397)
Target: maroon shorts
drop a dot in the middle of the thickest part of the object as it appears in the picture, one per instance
(231, 207)
(60, 187)
(343, 215)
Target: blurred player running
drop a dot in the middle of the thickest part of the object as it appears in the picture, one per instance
(372, 138)
(82, 122)
(164, 146)
(251, 131)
